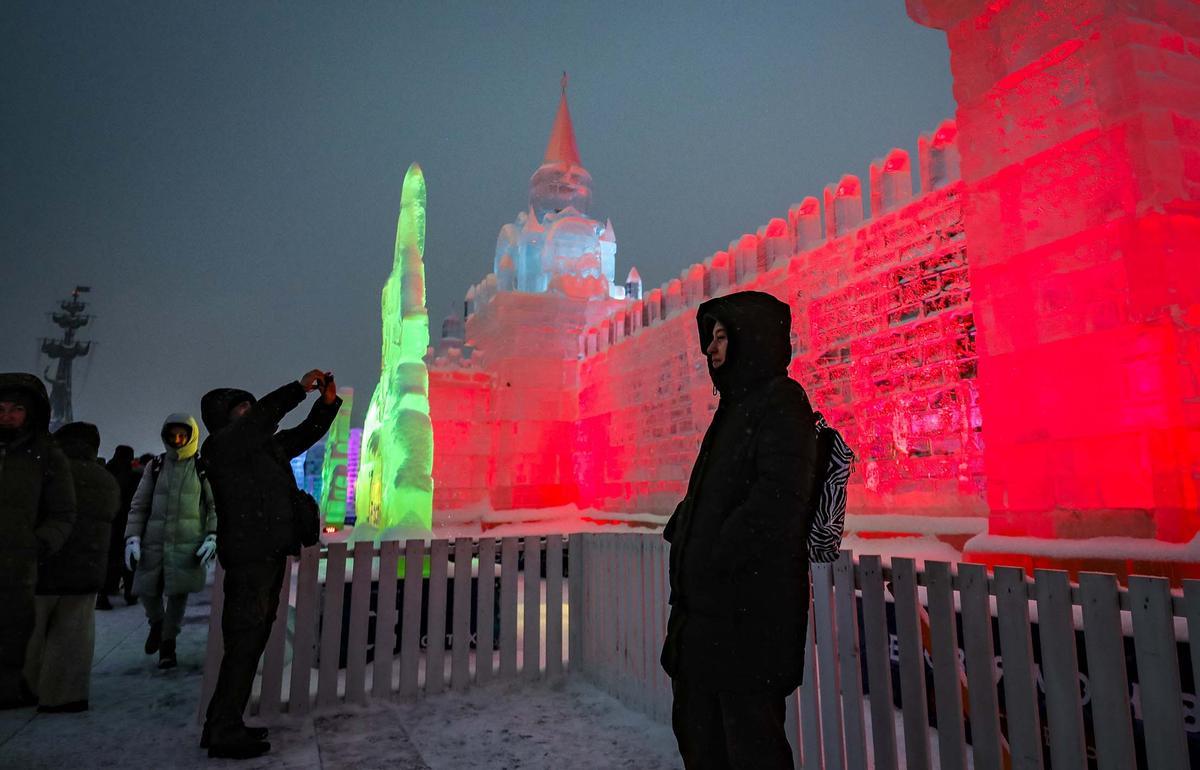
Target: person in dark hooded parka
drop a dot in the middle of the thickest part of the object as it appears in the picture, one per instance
(262, 519)
(58, 661)
(735, 639)
(121, 468)
(37, 511)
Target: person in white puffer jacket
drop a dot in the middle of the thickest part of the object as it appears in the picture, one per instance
(171, 534)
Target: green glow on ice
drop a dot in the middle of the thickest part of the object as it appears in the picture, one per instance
(394, 493)
(333, 470)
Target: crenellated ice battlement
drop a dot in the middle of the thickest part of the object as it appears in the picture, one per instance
(783, 242)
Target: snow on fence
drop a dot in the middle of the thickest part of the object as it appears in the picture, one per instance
(950, 631)
(333, 646)
(912, 621)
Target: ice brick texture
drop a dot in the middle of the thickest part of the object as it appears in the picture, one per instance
(1080, 129)
(1018, 339)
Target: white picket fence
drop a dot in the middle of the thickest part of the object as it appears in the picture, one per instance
(614, 606)
(300, 671)
(832, 720)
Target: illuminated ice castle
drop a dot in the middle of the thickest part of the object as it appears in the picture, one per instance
(554, 246)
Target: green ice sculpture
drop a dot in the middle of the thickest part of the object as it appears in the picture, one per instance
(333, 469)
(394, 492)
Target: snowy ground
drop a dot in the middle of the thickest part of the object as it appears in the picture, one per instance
(141, 717)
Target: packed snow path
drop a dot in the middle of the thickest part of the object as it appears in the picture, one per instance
(141, 717)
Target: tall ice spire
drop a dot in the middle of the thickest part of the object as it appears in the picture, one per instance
(561, 180)
(394, 494)
(561, 147)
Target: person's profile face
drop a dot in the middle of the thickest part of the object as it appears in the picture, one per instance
(177, 435)
(12, 415)
(239, 409)
(719, 347)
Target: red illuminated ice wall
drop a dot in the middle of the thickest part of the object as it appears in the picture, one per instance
(883, 339)
(1021, 344)
(1080, 133)
(603, 404)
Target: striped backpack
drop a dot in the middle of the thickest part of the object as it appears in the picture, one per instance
(834, 462)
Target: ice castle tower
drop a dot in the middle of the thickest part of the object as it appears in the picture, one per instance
(554, 246)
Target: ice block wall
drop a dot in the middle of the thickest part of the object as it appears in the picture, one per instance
(604, 404)
(1080, 136)
(883, 341)
(1020, 343)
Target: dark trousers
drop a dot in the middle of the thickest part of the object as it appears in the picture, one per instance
(251, 600)
(15, 630)
(729, 731)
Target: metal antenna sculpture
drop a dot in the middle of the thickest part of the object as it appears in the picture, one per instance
(70, 318)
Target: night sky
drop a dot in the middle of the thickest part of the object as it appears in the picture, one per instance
(226, 176)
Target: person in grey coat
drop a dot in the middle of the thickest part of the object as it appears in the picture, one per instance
(171, 534)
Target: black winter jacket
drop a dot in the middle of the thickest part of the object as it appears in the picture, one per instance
(248, 467)
(738, 562)
(37, 497)
(82, 563)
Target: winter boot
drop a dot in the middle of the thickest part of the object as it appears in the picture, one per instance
(255, 733)
(166, 654)
(102, 602)
(238, 746)
(154, 640)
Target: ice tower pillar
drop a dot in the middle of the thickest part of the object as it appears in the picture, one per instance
(394, 494)
(1080, 140)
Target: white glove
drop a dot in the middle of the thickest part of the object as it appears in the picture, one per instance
(207, 550)
(133, 551)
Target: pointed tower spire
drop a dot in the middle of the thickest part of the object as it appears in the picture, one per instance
(561, 147)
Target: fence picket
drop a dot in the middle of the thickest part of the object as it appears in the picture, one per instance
(300, 686)
(1060, 670)
(435, 618)
(215, 648)
(1191, 602)
(914, 706)
(637, 601)
(1104, 645)
(849, 661)
(810, 703)
(554, 607)
(651, 577)
(385, 619)
(410, 617)
(485, 618)
(360, 607)
(508, 606)
(621, 595)
(331, 624)
(1016, 650)
(981, 668)
(575, 606)
(664, 577)
(531, 657)
(947, 681)
(827, 669)
(270, 702)
(608, 625)
(1158, 673)
(460, 629)
(879, 664)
